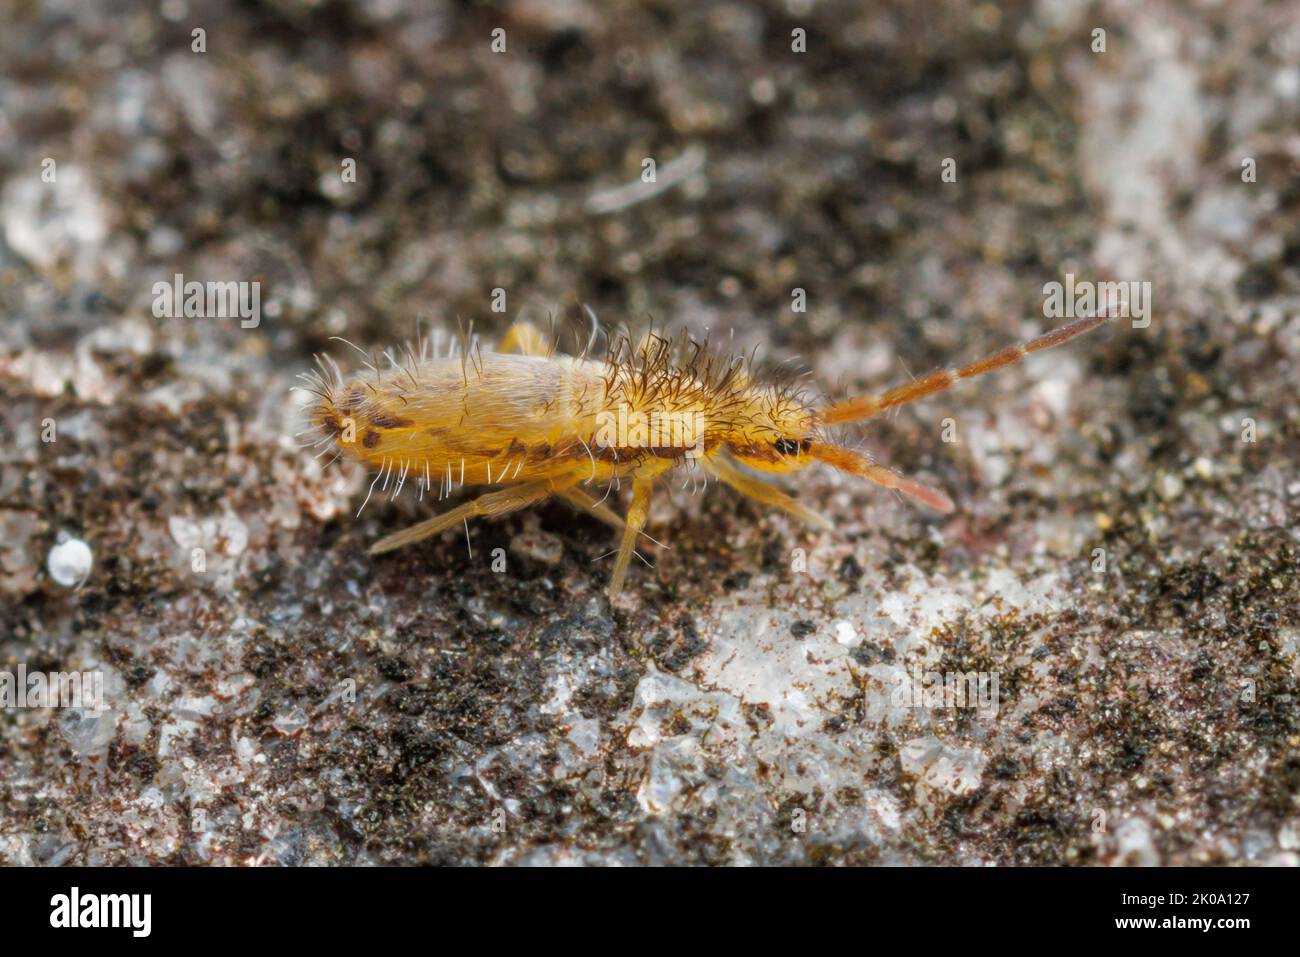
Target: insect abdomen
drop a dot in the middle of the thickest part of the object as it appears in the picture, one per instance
(484, 420)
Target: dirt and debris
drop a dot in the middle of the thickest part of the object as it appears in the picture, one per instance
(1123, 559)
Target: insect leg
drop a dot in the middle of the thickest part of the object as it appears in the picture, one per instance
(760, 491)
(493, 503)
(580, 499)
(526, 339)
(636, 516)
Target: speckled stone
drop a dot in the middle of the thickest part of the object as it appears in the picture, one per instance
(1123, 558)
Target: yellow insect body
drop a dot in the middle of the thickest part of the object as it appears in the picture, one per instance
(503, 419)
(535, 425)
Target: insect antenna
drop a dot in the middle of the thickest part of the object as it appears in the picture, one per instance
(855, 463)
(864, 407)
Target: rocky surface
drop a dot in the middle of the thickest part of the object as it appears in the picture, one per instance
(1123, 559)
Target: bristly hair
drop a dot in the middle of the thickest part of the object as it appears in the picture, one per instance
(322, 383)
(653, 369)
(681, 370)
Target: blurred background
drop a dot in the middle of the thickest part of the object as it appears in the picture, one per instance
(285, 699)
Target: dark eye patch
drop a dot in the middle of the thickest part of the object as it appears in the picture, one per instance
(791, 446)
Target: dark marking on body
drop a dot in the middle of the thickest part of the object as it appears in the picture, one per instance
(384, 420)
(353, 400)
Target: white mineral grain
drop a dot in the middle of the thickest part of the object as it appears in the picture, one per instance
(69, 562)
